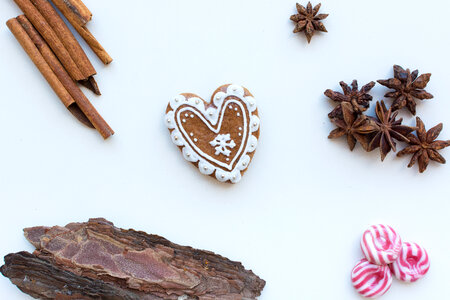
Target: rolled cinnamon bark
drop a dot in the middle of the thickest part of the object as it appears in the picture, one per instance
(51, 38)
(66, 7)
(57, 76)
(32, 51)
(81, 13)
(83, 103)
(66, 37)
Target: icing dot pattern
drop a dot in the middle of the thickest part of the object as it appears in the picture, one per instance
(213, 119)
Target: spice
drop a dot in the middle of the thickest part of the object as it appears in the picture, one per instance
(96, 259)
(355, 126)
(35, 17)
(385, 129)
(359, 99)
(308, 20)
(424, 146)
(55, 74)
(388, 130)
(73, 15)
(408, 86)
(82, 15)
(70, 43)
(30, 48)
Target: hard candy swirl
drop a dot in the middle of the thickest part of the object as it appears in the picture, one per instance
(412, 263)
(370, 280)
(381, 244)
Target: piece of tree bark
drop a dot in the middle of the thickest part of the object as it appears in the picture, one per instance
(42, 280)
(142, 263)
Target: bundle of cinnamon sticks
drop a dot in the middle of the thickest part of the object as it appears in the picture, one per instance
(59, 57)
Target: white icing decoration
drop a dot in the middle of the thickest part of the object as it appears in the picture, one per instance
(243, 162)
(170, 121)
(190, 155)
(252, 103)
(254, 123)
(252, 143)
(236, 90)
(221, 143)
(222, 175)
(205, 167)
(236, 177)
(213, 117)
(177, 101)
(215, 130)
(177, 139)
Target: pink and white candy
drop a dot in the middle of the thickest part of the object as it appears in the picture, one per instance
(412, 263)
(371, 281)
(381, 244)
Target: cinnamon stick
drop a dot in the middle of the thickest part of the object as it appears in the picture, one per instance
(39, 61)
(68, 40)
(67, 10)
(52, 39)
(46, 61)
(83, 103)
(81, 13)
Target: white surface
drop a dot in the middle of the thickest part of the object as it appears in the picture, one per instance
(298, 214)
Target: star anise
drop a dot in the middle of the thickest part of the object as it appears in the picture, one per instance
(308, 20)
(388, 129)
(407, 86)
(359, 99)
(355, 127)
(424, 146)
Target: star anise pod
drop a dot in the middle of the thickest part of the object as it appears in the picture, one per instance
(407, 86)
(388, 129)
(359, 99)
(308, 20)
(424, 146)
(355, 126)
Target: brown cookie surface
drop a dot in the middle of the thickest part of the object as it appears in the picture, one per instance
(219, 137)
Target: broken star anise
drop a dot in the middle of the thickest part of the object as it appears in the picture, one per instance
(359, 99)
(388, 129)
(308, 20)
(407, 85)
(355, 127)
(424, 146)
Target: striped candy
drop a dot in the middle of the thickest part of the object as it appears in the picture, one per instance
(371, 280)
(381, 244)
(412, 263)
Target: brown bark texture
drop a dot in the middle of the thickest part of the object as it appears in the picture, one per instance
(132, 262)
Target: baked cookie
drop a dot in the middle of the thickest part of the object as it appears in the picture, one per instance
(220, 136)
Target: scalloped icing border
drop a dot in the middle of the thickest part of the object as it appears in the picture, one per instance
(212, 115)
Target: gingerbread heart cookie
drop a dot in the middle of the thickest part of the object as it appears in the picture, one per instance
(220, 136)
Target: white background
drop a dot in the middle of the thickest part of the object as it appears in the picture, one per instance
(297, 216)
